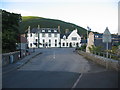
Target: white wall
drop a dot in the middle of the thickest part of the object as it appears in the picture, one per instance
(69, 40)
(52, 38)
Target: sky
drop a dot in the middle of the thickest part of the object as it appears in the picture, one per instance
(97, 14)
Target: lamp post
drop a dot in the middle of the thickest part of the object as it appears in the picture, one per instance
(89, 29)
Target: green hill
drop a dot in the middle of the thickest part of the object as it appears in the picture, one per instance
(34, 21)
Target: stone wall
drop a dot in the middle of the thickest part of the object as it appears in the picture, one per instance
(106, 62)
(9, 58)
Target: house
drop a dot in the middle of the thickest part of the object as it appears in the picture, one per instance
(71, 39)
(43, 37)
(51, 37)
(115, 39)
(23, 42)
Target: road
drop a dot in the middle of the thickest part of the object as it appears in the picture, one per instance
(60, 68)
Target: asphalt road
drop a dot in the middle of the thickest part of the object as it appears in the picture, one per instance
(60, 68)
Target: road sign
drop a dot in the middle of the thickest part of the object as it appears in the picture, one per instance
(106, 36)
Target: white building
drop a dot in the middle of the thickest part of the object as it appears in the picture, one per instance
(51, 37)
(71, 39)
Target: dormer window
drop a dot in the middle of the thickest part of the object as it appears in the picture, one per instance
(55, 30)
(49, 30)
(43, 30)
(64, 37)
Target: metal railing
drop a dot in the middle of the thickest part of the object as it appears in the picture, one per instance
(104, 54)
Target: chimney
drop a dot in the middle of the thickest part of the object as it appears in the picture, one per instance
(23, 35)
(59, 29)
(29, 29)
(66, 31)
(38, 26)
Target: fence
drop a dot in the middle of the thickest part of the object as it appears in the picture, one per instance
(104, 54)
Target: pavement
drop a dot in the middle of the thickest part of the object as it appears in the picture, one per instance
(20, 63)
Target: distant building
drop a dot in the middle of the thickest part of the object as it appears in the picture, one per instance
(98, 41)
(71, 39)
(43, 37)
(51, 37)
(24, 43)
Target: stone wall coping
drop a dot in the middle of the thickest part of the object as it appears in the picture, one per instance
(106, 59)
(10, 53)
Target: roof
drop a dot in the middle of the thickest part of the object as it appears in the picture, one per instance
(67, 34)
(44, 30)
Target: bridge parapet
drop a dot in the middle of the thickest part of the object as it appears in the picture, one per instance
(106, 62)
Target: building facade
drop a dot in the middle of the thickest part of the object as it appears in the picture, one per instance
(51, 37)
(71, 39)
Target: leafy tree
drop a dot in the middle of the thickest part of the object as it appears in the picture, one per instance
(10, 30)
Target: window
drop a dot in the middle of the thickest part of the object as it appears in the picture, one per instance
(49, 30)
(30, 44)
(43, 41)
(36, 40)
(49, 35)
(49, 41)
(55, 35)
(55, 45)
(43, 45)
(77, 44)
(43, 34)
(74, 38)
(67, 44)
(55, 41)
(63, 44)
(55, 30)
(43, 30)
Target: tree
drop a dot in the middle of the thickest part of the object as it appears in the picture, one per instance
(10, 30)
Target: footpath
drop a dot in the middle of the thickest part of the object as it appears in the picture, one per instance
(20, 63)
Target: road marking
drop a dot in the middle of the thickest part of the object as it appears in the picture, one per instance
(54, 54)
(75, 84)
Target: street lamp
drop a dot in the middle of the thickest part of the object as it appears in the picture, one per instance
(89, 29)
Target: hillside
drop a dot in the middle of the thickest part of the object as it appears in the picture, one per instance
(34, 21)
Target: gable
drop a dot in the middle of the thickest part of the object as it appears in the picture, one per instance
(74, 34)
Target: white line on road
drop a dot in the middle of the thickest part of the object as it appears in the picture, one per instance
(75, 84)
(54, 55)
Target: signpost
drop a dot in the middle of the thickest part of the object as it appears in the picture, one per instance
(106, 38)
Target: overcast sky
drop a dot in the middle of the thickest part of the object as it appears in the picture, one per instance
(97, 14)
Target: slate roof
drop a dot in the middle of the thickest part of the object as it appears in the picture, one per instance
(46, 30)
(67, 34)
